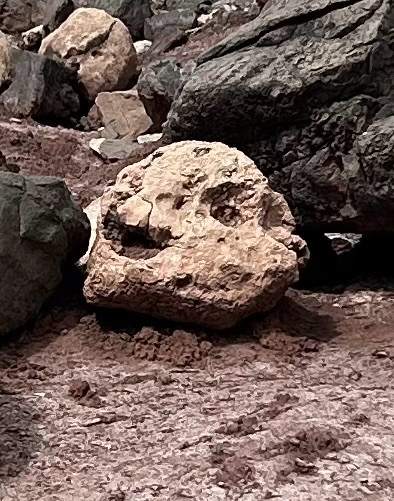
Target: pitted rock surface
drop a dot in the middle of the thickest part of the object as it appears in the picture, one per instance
(99, 46)
(193, 233)
(306, 91)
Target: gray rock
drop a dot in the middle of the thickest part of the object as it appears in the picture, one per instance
(170, 37)
(41, 230)
(306, 91)
(57, 12)
(114, 149)
(343, 242)
(157, 87)
(182, 4)
(132, 12)
(184, 19)
(17, 16)
(41, 88)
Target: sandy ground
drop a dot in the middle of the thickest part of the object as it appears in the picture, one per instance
(296, 406)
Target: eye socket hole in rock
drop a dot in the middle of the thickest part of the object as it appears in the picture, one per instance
(201, 151)
(183, 281)
(127, 242)
(225, 203)
(228, 216)
(138, 246)
(179, 202)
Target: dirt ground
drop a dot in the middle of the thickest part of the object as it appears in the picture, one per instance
(296, 406)
(40, 150)
(103, 406)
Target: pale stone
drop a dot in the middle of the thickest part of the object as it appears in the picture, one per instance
(142, 46)
(92, 211)
(149, 138)
(95, 144)
(193, 233)
(99, 45)
(5, 59)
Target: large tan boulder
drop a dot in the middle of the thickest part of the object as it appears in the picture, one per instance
(99, 45)
(193, 233)
(5, 59)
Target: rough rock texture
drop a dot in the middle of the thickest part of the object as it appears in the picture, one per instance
(122, 113)
(20, 15)
(132, 12)
(157, 87)
(305, 90)
(182, 4)
(115, 149)
(40, 88)
(100, 47)
(5, 60)
(57, 12)
(17, 16)
(181, 18)
(170, 37)
(41, 229)
(193, 233)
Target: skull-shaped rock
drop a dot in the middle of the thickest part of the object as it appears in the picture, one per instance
(193, 233)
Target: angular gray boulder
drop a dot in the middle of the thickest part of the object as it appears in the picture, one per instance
(41, 88)
(157, 86)
(306, 90)
(41, 230)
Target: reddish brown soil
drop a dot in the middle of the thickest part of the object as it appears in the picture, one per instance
(55, 151)
(103, 406)
(294, 406)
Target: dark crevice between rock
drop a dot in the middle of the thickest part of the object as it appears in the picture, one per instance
(365, 264)
(128, 242)
(137, 246)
